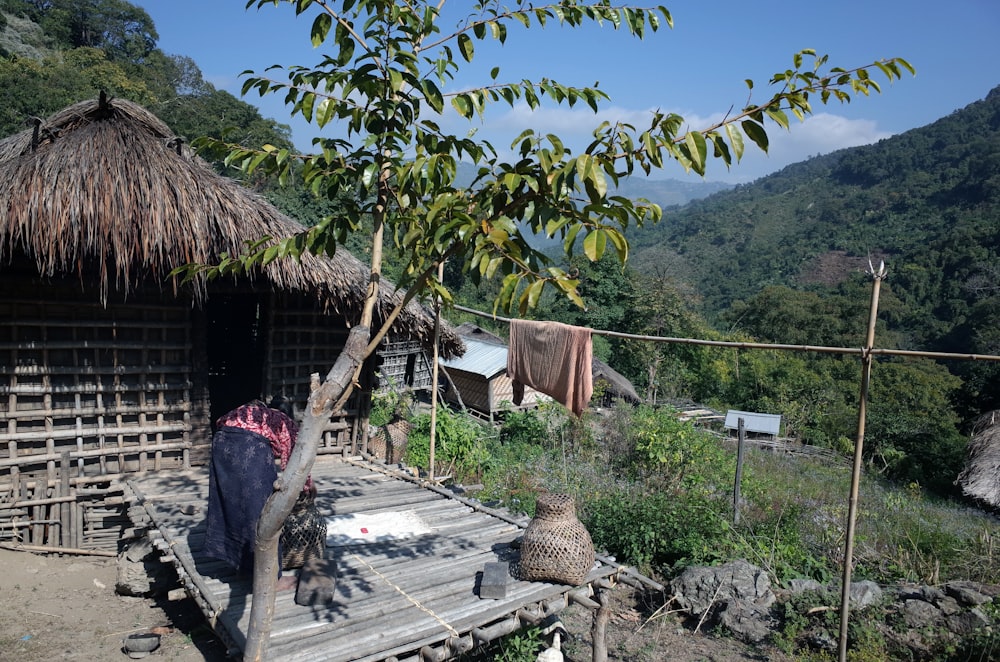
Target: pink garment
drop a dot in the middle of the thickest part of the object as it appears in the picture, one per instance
(553, 358)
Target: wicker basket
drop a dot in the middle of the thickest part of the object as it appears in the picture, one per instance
(388, 442)
(304, 533)
(556, 546)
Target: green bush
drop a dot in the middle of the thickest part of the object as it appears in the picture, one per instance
(657, 531)
(681, 455)
(459, 444)
(523, 427)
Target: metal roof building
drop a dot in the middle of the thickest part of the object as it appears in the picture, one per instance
(753, 422)
(478, 380)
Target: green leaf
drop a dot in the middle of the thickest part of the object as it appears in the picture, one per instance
(432, 95)
(530, 296)
(320, 29)
(697, 150)
(594, 244)
(462, 104)
(756, 133)
(736, 140)
(466, 47)
(779, 117)
(325, 112)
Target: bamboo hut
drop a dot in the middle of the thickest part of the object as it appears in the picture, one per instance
(612, 385)
(980, 479)
(478, 379)
(111, 367)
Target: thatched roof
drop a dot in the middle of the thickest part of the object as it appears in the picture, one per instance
(103, 188)
(981, 477)
(617, 385)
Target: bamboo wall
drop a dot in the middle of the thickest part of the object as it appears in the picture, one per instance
(404, 364)
(88, 393)
(304, 341)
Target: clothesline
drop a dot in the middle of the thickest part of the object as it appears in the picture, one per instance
(859, 351)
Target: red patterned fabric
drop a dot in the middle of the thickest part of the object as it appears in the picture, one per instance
(279, 429)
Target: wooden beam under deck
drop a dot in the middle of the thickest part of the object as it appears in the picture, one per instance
(392, 599)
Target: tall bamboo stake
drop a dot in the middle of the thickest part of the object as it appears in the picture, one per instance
(434, 374)
(852, 509)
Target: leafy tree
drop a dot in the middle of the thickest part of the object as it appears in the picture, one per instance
(123, 30)
(381, 84)
(29, 88)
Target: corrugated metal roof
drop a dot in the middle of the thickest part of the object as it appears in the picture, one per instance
(753, 422)
(480, 358)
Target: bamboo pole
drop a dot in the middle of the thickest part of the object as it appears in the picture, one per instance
(434, 375)
(821, 349)
(740, 443)
(852, 508)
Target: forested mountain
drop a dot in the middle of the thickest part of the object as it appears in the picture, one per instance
(57, 52)
(926, 201)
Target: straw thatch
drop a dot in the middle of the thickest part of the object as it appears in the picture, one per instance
(105, 191)
(615, 385)
(981, 477)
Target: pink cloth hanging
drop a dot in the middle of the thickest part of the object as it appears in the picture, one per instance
(553, 358)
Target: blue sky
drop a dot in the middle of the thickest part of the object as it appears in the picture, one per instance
(696, 69)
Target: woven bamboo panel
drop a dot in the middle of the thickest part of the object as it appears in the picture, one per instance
(88, 393)
(302, 342)
(404, 363)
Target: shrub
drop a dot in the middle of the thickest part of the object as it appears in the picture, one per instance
(523, 428)
(459, 443)
(657, 531)
(681, 455)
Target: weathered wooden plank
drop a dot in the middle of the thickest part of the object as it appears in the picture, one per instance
(390, 599)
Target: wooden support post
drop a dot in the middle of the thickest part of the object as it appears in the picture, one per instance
(740, 439)
(65, 530)
(852, 506)
(598, 633)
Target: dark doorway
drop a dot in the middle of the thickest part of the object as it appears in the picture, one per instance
(236, 351)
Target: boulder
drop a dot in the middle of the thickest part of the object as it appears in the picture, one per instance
(920, 614)
(737, 593)
(141, 573)
(865, 594)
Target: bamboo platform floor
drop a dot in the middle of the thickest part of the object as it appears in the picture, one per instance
(412, 599)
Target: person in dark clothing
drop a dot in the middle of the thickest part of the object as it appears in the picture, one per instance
(250, 445)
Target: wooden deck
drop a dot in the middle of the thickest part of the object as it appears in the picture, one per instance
(413, 599)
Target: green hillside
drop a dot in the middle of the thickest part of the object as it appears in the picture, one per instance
(925, 201)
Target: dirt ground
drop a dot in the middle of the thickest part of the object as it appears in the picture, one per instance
(65, 608)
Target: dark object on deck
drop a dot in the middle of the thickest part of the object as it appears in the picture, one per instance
(317, 582)
(556, 547)
(304, 534)
(496, 577)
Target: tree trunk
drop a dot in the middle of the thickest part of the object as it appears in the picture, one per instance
(338, 384)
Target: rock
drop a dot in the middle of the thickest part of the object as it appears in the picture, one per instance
(803, 585)
(739, 592)
(920, 614)
(140, 572)
(823, 641)
(698, 588)
(948, 605)
(864, 594)
(966, 593)
(925, 593)
(967, 621)
(750, 623)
